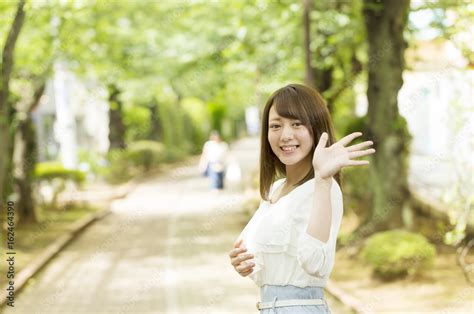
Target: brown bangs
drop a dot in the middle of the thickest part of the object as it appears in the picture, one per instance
(289, 104)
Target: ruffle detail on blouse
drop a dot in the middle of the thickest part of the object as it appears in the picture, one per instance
(275, 228)
(278, 232)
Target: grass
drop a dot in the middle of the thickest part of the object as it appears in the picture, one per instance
(442, 289)
(31, 239)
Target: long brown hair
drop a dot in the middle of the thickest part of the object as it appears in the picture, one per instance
(294, 101)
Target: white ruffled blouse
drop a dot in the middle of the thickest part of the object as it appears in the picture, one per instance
(285, 254)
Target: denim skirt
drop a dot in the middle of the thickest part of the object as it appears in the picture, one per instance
(271, 292)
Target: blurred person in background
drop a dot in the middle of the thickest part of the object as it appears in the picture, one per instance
(213, 160)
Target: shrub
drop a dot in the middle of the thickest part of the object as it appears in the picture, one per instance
(54, 170)
(53, 179)
(146, 154)
(174, 154)
(94, 161)
(397, 253)
(139, 157)
(119, 167)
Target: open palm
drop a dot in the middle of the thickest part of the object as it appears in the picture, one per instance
(327, 161)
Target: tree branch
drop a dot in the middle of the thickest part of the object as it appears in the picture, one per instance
(7, 56)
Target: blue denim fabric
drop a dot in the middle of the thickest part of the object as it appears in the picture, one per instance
(217, 179)
(289, 292)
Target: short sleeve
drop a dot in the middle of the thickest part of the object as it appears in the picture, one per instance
(315, 256)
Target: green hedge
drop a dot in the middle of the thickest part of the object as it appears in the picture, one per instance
(139, 157)
(397, 253)
(52, 170)
(146, 154)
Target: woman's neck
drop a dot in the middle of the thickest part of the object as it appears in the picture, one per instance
(296, 172)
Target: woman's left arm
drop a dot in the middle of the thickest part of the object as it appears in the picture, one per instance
(316, 245)
(321, 234)
(320, 220)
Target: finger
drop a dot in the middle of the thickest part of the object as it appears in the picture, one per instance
(235, 262)
(238, 242)
(349, 138)
(234, 252)
(357, 163)
(244, 267)
(361, 153)
(323, 139)
(243, 274)
(244, 257)
(355, 147)
(241, 258)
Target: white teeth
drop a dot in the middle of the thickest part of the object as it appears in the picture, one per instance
(288, 148)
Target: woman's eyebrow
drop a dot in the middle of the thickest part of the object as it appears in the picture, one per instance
(275, 119)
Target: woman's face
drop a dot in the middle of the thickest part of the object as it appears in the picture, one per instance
(289, 139)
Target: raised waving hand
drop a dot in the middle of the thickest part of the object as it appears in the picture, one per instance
(327, 161)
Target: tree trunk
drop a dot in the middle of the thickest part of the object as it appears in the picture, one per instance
(320, 79)
(324, 82)
(309, 70)
(5, 105)
(156, 131)
(116, 126)
(25, 146)
(385, 22)
(25, 157)
(336, 91)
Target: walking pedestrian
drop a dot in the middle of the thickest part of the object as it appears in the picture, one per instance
(213, 160)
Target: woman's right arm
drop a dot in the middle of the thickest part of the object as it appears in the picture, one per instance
(203, 160)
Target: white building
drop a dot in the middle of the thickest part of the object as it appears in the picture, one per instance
(71, 116)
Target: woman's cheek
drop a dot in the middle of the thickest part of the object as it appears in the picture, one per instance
(274, 149)
(273, 144)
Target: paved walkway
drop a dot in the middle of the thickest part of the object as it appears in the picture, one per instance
(163, 249)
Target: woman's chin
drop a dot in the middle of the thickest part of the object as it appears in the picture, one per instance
(289, 161)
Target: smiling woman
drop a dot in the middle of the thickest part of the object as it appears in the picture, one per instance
(288, 246)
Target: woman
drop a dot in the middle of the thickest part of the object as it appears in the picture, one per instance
(288, 246)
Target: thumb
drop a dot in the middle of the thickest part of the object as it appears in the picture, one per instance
(322, 141)
(237, 243)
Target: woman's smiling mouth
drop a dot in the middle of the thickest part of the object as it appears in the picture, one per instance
(289, 148)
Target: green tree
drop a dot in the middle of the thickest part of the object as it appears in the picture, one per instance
(333, 46)
(7, 64)
(385, 23)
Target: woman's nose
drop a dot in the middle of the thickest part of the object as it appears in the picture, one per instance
(286, 134)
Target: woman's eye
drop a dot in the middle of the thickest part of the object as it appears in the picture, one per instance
(274, 126)
(297, 124)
